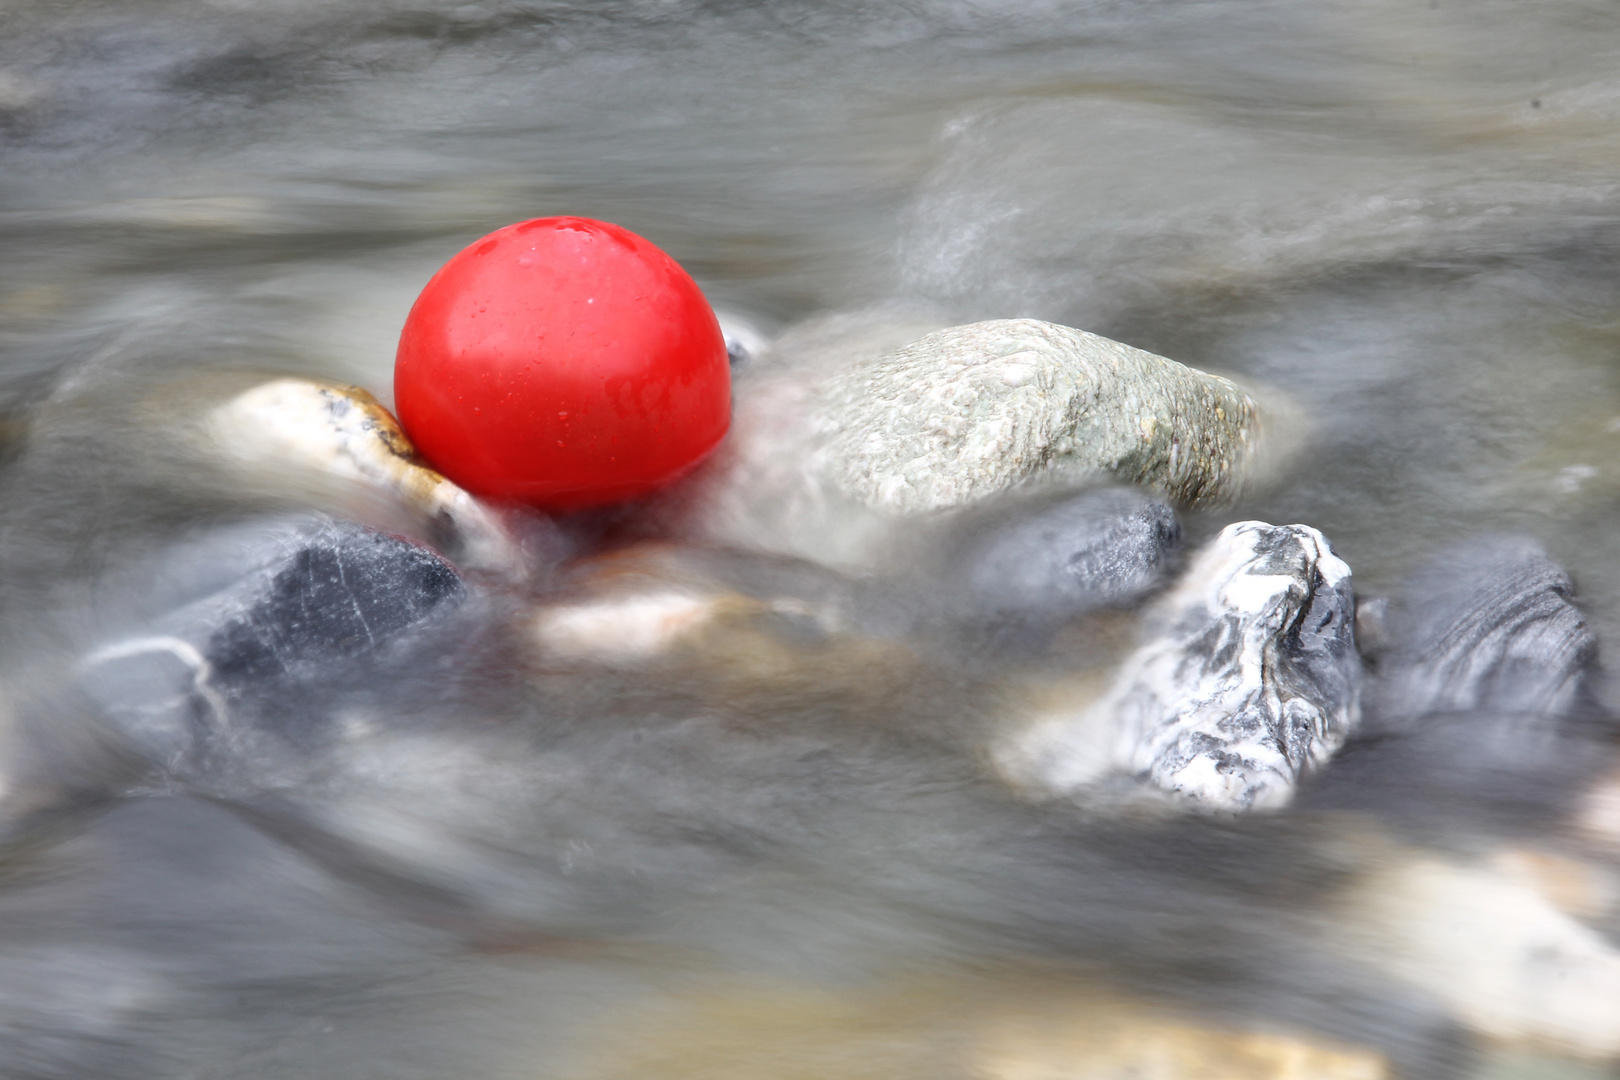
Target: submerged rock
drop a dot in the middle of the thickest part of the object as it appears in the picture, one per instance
(827, 457)
(344, 591)
(1248, 678)
(1490, 942)
(1098, 549)
(1001, 1025)
(744, 340)
(1489, 625)
(305, 598)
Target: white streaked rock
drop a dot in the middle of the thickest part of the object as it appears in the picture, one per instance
(1247, 678)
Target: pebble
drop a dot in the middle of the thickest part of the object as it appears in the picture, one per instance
(307, 597)
(744, 339)
(830, 453)
(1248, 678)
(777, 635)
(1488, 625)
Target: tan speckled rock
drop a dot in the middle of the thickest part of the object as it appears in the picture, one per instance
(337, 447)
(1491, 942)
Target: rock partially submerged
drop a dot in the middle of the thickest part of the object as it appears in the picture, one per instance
(1104, 548)
(826, 456)
(1248, 678)
(1488, 626)
(303, 598)
(337, 445)
(972, 410)
(1489, 942)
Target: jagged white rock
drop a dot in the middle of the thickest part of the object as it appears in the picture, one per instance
(1248, 678)
(828, 454)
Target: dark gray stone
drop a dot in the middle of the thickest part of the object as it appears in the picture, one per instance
(1488, 625)
(345, 592)
(1105, 548)
(304, 600)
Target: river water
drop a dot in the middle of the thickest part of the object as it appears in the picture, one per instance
(1403, 214)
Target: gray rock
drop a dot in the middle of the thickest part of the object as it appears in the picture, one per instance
(343, 591)
(972, 410)
(1248, 678)
(833, 455)
(1098, 549)
(1490, 626)
(304, 598)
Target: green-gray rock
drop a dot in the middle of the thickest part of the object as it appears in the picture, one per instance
(845, 443)
(971, 410)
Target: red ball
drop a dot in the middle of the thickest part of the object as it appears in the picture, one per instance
(564, 363)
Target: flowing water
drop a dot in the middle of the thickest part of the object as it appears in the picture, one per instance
(1403, 214)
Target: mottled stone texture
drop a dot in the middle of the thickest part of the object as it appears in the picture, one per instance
(343, 591)
(972, 410)
(1247, 678)
(1488, 625)
(837, 455)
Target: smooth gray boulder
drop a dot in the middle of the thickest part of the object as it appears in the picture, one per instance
(1489, 625)
(834, 454)
(1247, 678)
(972, 410)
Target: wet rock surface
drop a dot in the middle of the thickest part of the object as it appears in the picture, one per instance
(1491, 625)
(974, 409)
(830, 455)
(345, 592)
(1490, 942)
(1247, 679)
(306, 601)
(1483, 673)
(1098, 549)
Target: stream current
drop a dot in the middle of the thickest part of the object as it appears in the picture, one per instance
(1402, 214)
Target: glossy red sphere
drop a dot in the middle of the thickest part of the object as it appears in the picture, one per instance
(563, 363)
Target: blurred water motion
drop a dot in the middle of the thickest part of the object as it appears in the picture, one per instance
(779, 853)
